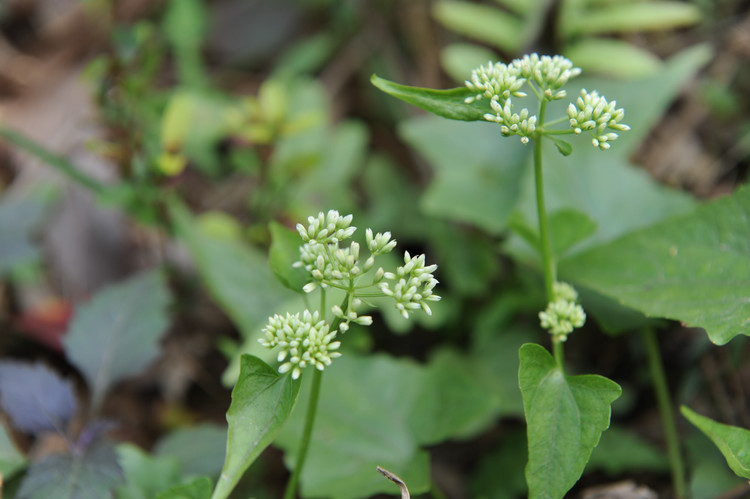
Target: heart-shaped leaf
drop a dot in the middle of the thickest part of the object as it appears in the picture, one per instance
(565, 416)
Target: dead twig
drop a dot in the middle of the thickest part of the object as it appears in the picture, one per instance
(393, 478)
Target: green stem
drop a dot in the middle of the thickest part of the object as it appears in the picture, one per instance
(58, 162)
(548, 261)
(667, 414)
(304, 444)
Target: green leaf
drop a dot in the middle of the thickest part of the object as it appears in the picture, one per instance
(630, 17)
(568, 227)
(612, 57)
(117, 333)
(564, 147)
(378, 411)
(284, 252)
(477, 173)
(145, 476)
(91, 473)
(199, 450)
(237, 275)
(199, 488)
(445, 103)
(733, 442)
(565, 416)
(483, 22)
(620, 451)
(693, 268)
(11, 460)
(262, 400)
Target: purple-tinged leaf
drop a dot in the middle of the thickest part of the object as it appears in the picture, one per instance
(94, 473)
(35, 398)
(116, 334)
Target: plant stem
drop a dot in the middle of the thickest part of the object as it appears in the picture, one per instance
(548, 262)
(667, 414)
(312, 409)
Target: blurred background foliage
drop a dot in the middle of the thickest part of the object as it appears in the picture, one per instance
(193, 135)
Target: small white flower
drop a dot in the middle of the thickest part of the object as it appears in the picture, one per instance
(591, 112)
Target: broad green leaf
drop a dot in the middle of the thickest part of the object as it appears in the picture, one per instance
(93, 472)
(262, 401)
(199, 488)
(620, 451)
(145, 476)
(612, 57)
(565, 416)
(499, 475)
(284, 252)
(567, 228)
(732, 441)
(444, 103)
(380, 411)
(630, 17)
(11, 460)
(482, 22)
(477, 172)
(452, 404)
(693, 268)
(116, 334)
(237, 275)
(200, 449)
(459, 59)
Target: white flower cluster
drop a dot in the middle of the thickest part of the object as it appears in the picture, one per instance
(495, 81)
(304, 341)
(307, 340)
(592, 112)
(545, 76)
(563, 314)
(413, 285)
(512, 123)
(550, 73)
(499, 82)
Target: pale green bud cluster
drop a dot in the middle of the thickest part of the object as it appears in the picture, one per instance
(413, 283)
(563, 314)
(549, 73)
(495, 81)
(545, 77)
(512, 123)
(305, 340)
(593, 113)
(308, 340)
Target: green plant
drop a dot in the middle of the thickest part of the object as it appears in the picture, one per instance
(541, 376)
(565, 415)
(311, 338)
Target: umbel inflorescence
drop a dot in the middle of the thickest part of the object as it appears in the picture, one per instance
(544, 76)
(308, 338)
